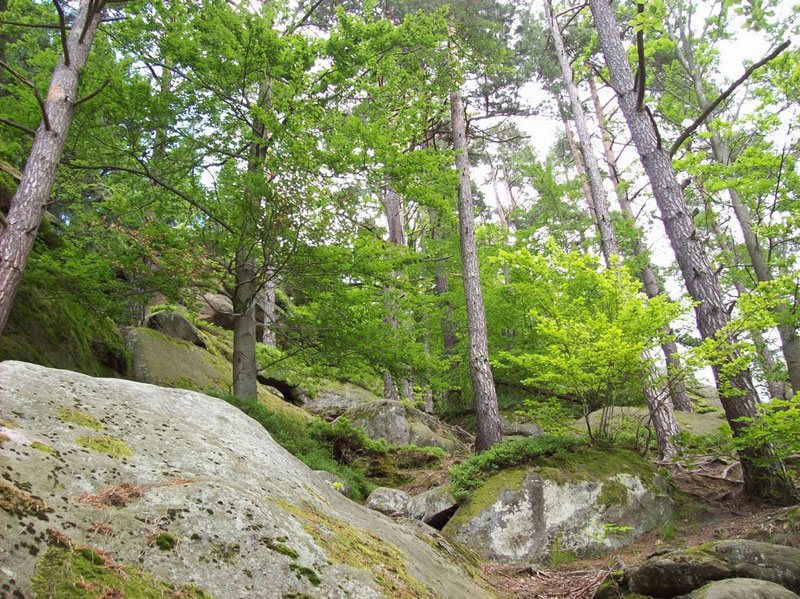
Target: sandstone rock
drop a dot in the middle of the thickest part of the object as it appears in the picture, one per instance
(188, 490)
(596, 502)
(175, 325)
(681, 571)
(434, 507)
(743, 588)
(513, 426)
(392, 502)
(333, 399)
(400, 424)
(218, 309)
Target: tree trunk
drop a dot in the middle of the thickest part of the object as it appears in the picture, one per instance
(29, 201)
(268, 337)
(489, 431)
(661, 411)
(737, 394)
(245, 384)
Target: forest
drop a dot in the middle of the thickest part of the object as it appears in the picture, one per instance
(474, 206)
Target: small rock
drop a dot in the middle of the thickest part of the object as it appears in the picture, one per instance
(434, 507)
(392, 502)
(175, 325)
(743, 588)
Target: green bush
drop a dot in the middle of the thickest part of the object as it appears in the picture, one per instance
(471, 473)
(777, 427)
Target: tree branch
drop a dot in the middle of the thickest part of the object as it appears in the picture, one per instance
(92, 95)
(16, 125)
(62, 25)
(723, 96)
(640, 72)
(30, 25)
(35, 91)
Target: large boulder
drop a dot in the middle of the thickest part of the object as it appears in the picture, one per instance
(332, 399)
(681, 571)
(169, 362)
(743, 588)
(114, 488)
(434, 507)
(174, 324)
(216, 308)
(392, 502)
(597, 501)
(400, 424)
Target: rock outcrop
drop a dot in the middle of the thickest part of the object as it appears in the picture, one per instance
(684, 570)
(174, 324)
(399, 424)
(743, 588)
(110, 485)
(595, 502)
(332, 399)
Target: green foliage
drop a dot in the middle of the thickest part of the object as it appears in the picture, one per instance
(719, 444)
(470, 473)
(776, 427)
(552, 414)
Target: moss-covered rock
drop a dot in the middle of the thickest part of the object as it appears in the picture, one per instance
(585, 503)
(207, 498)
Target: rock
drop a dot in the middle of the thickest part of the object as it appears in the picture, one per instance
(175, 325)
(169, 362)
(392, 502)
(434, 507)
(218, 309)
(333, 399)
(168, 487)
(631, 417)
(339, 484)
(594, 502)
(681, 571)
(400, 424)
(514, 427)
(743, 588)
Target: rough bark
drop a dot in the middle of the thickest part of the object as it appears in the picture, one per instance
(737, 394)
(29, 201)
(269, 312)
(488, 425)
(245, 383)
(441, 286)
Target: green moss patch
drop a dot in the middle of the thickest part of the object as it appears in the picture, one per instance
(77, 417)
(43, 448)
(165, 541)
(613, 492)
(363, 550)
(485, 495)
(307, 573)
(278, 547)
(105, 444)
(64, 573)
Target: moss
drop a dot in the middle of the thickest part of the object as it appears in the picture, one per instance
(69, 415)
(486, 495)
(613, 492)
(562, 556)
(593, 464)
(307, 573)
(105, 444)
(363, 550)
(165, 541)
(43, 448)
(63, 573)
(4, 438)
(279, 547)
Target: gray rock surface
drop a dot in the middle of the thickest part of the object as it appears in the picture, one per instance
(513, 426)
(335, 482)
(392, 502)
(528, 514)
(684, 570)
(218, 309)
(175, 325)
(333, 399)
(743, 588)
(434, 507)
(196, 493)
(400, 424)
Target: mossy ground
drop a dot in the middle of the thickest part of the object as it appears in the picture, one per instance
(67, 573)
(362, 550)
(69, 415)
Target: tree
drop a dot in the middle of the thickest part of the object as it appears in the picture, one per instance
(737, 393)
(57, 112)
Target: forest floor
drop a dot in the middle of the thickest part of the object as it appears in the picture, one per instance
(711, 507)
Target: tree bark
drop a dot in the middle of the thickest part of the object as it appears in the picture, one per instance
(268, 337)
(29, 201)
(489, 431)
(737, 394)
(245, 383)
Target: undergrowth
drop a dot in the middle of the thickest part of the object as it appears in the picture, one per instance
(471, 473)
(338, 447)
